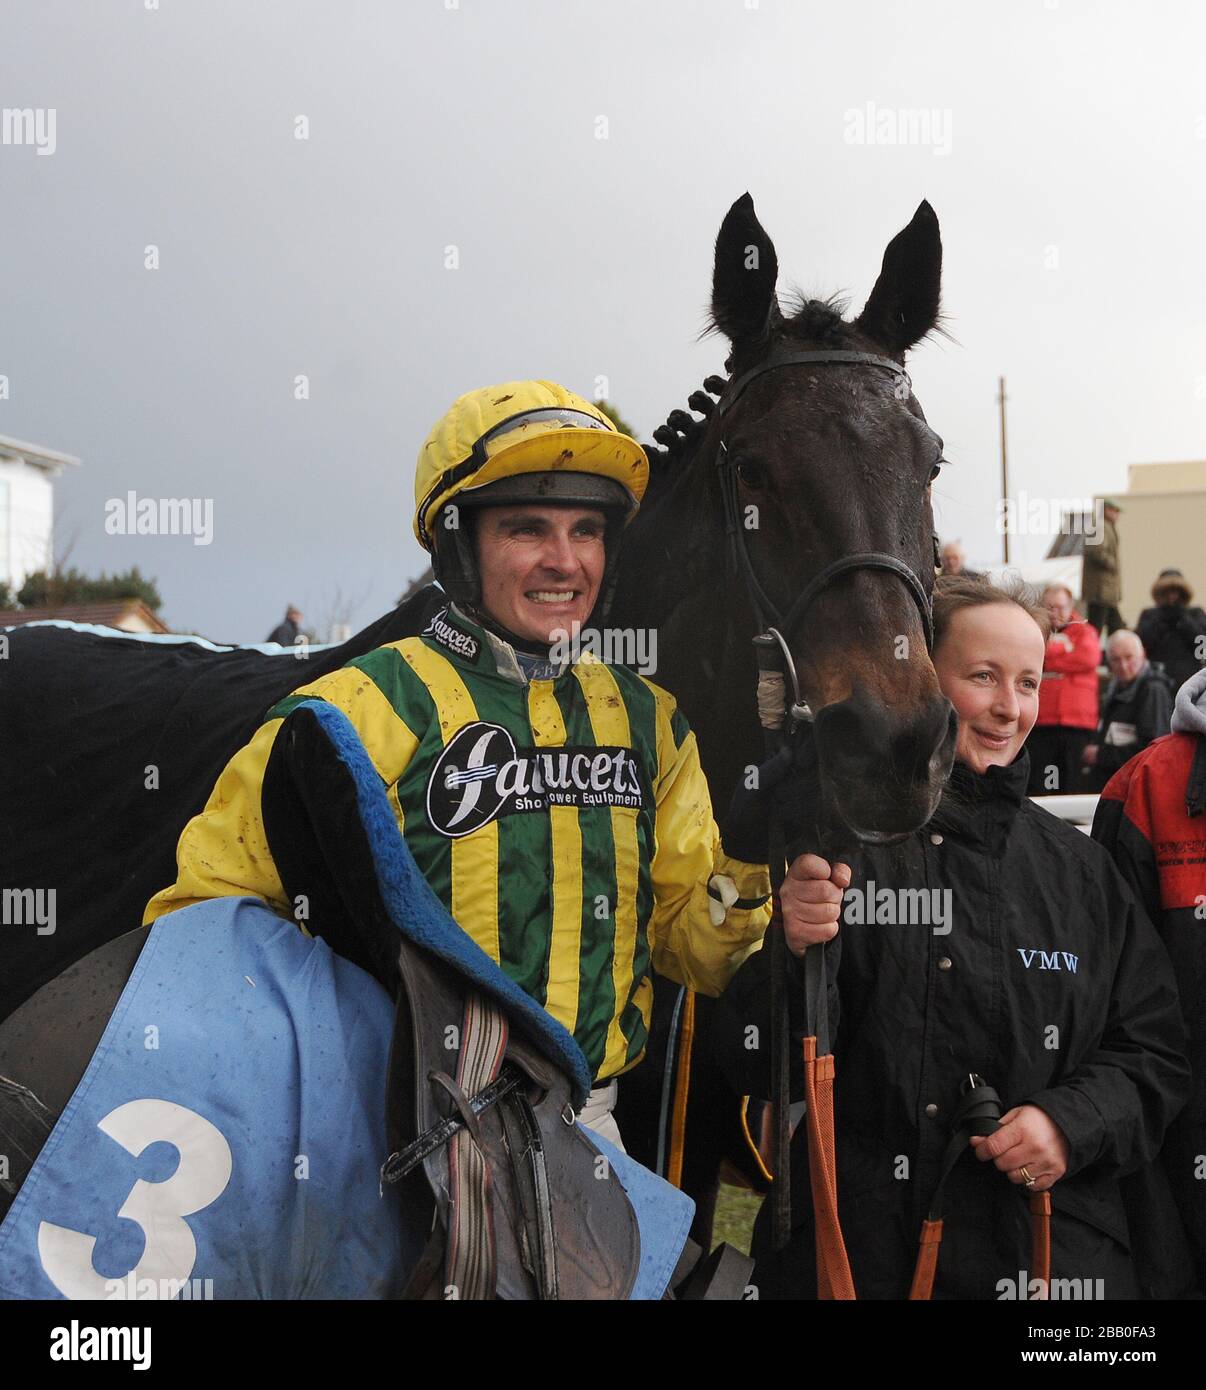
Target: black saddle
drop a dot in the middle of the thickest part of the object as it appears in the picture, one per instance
(488, 1156)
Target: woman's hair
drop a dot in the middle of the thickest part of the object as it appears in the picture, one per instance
(955, 592)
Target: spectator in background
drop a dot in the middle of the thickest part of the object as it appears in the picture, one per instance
(1137, 708)
(954, 560)
(286, 633)
(1173, 633)
(1067, 698)
(1152, 819)
(1101, 586)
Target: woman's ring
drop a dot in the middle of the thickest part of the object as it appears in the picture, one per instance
(1027, 1180)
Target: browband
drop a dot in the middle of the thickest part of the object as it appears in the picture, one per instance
(791, 359)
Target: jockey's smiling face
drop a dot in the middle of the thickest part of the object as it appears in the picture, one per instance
(989, 666)
(541, 567)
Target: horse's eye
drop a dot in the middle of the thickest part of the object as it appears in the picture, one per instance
(937, 468)
(752, 474)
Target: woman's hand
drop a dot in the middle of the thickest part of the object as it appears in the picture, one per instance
(811, 899)
(1028, 1138)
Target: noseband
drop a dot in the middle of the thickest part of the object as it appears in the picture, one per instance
(774, 624)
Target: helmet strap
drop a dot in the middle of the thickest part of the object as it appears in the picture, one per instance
(455, 565)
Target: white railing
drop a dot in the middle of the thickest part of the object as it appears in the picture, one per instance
(1078, 809)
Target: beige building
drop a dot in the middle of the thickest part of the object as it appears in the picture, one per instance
(1162, 526)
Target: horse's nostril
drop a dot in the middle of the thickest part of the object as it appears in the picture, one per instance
(862, 738)
(842, 722)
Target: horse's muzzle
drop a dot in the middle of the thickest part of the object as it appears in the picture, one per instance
(883, 773)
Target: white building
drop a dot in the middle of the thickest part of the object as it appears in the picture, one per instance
(27, 507)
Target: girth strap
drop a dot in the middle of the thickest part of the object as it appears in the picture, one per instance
(471, 1266)
(406, 1160)
(482, 1081)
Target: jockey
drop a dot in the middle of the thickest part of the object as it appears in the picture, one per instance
(555, 803)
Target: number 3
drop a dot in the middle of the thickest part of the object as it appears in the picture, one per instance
(157, 1207)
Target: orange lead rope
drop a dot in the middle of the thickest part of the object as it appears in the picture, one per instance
(978, 1113)
(1040, 1238)
(834, 1279)
(1040, 1249)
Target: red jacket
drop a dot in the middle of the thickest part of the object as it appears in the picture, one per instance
(1152, 819)
(1068, 695)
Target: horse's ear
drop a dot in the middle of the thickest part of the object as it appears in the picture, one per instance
(903, 306)
(744, 275)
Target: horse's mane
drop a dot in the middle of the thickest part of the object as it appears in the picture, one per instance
(682, 431)
(819, 321)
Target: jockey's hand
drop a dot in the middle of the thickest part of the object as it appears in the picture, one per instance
(811, 899)
(1089, 755)
(1028, 1138)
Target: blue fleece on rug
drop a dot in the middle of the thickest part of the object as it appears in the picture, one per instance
(226, 1138)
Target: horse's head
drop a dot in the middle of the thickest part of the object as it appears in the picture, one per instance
(834, 459)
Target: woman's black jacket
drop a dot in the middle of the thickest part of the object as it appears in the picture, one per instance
(1170, 635)
(1026, 959)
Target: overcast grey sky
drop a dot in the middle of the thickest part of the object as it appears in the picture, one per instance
(1066, 162)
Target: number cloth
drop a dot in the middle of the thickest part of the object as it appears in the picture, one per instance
(226, 1138)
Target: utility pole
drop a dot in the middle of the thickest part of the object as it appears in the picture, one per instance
(1004, 472)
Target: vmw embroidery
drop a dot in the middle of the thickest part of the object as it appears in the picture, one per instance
(1048, 960)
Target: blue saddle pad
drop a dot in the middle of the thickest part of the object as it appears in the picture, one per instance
(226, 1138)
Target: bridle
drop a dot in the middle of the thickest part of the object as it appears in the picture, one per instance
(785, 722)
(773, 624)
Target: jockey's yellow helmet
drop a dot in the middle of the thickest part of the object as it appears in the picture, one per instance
(525, 442)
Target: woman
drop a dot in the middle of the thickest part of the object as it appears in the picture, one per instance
(1027, 962)
(1173, 632)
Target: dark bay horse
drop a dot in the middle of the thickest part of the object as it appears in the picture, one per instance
(831, 461)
